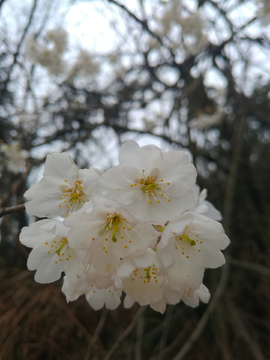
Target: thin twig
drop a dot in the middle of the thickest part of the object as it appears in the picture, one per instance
(231, 179)
(15, 56)
(139, 337)
(206, 316)
(174, 344)
(241, 330)
(165, 329)
(96, 334)
(12, 209)
(250, 266)
(125, 333)
(142, 22)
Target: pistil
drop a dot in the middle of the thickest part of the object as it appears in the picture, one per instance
(152, 187)
(64, 242)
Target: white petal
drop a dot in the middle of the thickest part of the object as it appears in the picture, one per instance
(203, 294)
(47, 270)
(180, 170)
(192, 298)
(44, 199)
(142, 158)
(69, 290)
(60, 167)
(128, 302)
(98, 297)
(90, 179)
(32, 235)
(212, 212)
(95, 297)
(112, 299)
(159, 306)
(171, 296)
(177, 227)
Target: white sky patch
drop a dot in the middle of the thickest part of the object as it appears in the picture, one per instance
(90, 27)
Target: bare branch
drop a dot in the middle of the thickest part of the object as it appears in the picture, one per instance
(126, 332)
(250, 266)
(15, 56)
(142, 22)
(241, 330)
(96, 334)
(174, 344)
(12, 209)
(139, 338)
(230, 186)
(165, 329)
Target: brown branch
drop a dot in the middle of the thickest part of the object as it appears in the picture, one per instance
(12, 209)
(139, 339)
(241, 330)
(125, 333)
(250, 266)
(165, 330)
(96, 334)
(174, 344)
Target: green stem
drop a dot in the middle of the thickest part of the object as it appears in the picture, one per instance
(192, 242)
(61, 247)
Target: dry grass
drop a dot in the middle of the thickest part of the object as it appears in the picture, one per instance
(36, 322)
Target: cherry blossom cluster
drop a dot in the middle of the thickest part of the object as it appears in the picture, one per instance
(50, 51)
(184, 30)
(12, 157)
(142, 228)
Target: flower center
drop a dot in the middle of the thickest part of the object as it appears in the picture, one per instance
(113, 222)
(60, 247)
(145, 275)
(117, 228)
(188, 239)
(72, 196)
(185, 237)
(152, 187)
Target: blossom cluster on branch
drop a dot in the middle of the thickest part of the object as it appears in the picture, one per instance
(142, 228)
(12, 157)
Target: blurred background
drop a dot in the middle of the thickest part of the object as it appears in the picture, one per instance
(86, 76)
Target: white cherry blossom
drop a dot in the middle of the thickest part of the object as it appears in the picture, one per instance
(147, 230)
(192, 297)
(203, 206)
(97, 298)
(141, 278)
(74, 289)
(190, 242)
(14, 157)
(107, 227)
(51, 254)
(63, 189)
(154, 185)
